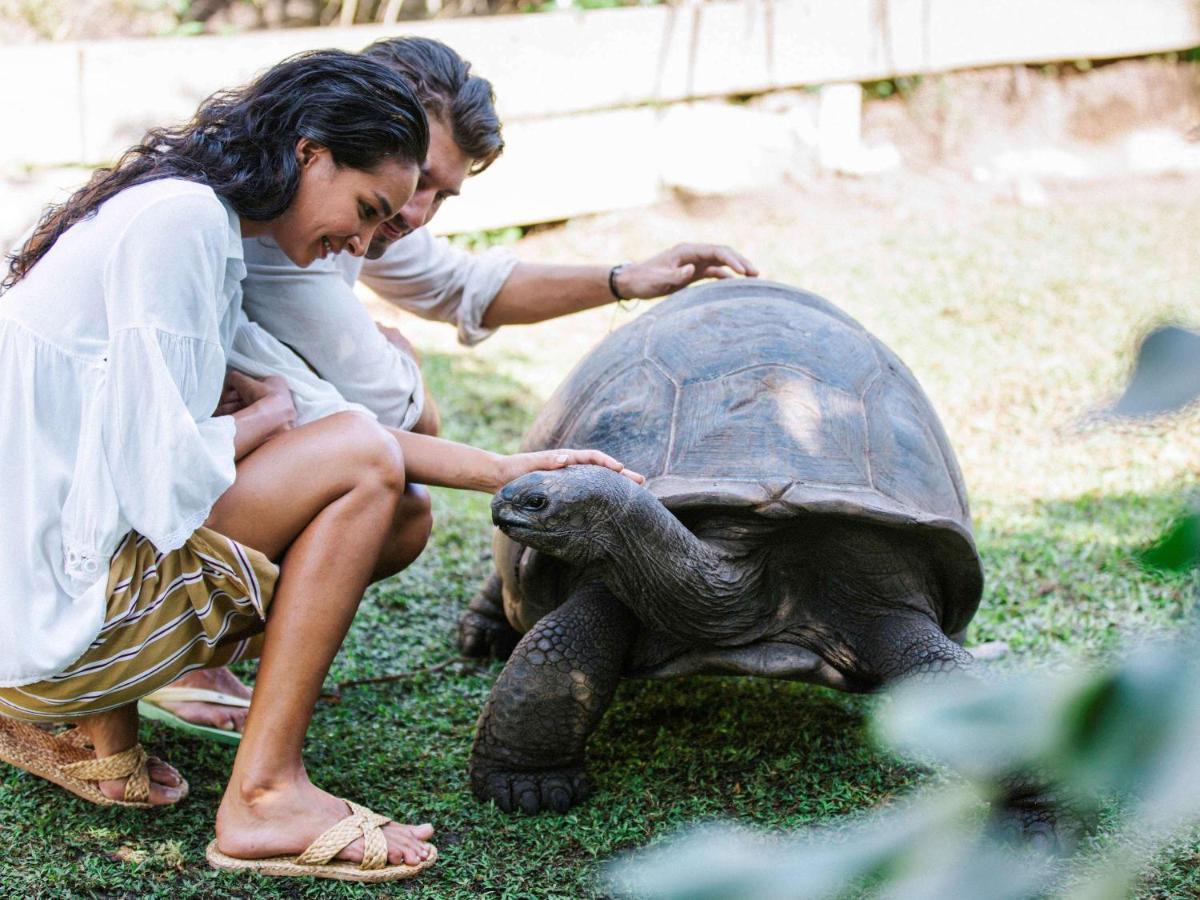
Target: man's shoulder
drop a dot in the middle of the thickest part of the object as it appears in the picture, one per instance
(264, 259)
(414, 249)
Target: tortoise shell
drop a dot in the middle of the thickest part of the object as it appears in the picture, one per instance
(765, 398)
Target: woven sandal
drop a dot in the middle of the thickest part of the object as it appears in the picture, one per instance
(67, 760)
(317, 860)
(149, 708)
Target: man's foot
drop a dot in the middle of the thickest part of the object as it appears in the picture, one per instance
(212, 715)
(283, 820)
(115, 732)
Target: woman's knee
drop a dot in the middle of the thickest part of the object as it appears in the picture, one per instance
(372, 453)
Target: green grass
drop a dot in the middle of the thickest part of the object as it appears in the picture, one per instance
(1017, 321)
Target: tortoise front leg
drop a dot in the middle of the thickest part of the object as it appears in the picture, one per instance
(529, 743)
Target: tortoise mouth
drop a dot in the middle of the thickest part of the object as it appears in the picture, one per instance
(515, 524)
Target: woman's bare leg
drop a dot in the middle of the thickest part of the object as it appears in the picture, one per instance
(405, 542)
(325, 496)
(116, 731)
(430, 422)
(409, 534)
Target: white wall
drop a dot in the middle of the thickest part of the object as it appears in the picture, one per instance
(580, 92)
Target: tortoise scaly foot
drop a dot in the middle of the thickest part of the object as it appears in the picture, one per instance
(552, 790)
(483, 631)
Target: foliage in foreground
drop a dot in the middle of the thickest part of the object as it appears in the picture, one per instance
(1126, 731)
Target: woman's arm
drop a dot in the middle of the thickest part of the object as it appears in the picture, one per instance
(430, 460)
(261, 409)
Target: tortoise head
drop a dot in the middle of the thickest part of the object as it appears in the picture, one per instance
(574, 513)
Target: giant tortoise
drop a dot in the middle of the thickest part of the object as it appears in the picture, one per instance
(803, 517)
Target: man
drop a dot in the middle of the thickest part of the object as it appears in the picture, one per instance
(316, 312)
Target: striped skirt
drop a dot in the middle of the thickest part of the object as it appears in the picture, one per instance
(201, 606)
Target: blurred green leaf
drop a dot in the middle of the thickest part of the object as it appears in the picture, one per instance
(985, 731)
(1092, 733)
(932, 848)
(1176, 551)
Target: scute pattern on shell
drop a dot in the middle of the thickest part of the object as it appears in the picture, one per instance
(762, 396)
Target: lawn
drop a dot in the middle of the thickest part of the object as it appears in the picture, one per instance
(1016, 320)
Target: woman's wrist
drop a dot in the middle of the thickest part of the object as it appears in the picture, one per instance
(495, 473)
(265, 418)
(278, 413)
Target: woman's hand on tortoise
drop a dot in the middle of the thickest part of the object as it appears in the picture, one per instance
(681, 265)
(519, 464)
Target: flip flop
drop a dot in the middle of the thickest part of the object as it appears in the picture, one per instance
(68, 760)
(149, 707)
(316, 861)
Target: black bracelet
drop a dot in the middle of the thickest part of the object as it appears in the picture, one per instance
(612, 280)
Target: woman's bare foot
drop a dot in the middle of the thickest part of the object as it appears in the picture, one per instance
(283, 819)
(115, 732)
(212, 715)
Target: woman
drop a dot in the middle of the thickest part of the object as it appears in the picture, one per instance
(184, 478)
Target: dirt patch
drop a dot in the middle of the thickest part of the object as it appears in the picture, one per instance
(966, 119)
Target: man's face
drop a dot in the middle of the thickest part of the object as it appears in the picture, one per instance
(442, 176)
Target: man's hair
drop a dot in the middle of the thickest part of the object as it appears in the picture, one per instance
(443, 82)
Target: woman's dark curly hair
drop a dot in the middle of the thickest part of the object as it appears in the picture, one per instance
(242, 142)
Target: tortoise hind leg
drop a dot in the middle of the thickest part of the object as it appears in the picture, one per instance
(529, 744)
(914, 647)
(483, 629)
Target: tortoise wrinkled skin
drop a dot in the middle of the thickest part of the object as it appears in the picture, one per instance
(803, 517)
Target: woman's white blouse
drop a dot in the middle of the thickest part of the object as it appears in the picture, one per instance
(113, 351)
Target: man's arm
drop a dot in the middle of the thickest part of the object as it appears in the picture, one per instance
(534, 293)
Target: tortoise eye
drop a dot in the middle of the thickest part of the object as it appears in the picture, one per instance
(537, 501)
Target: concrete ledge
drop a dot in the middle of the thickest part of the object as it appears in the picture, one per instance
(578, 90)
(88, 101)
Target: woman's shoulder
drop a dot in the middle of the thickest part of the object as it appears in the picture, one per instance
(166, 199)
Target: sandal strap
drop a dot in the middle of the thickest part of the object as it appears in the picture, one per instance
(131, 764)
(74, 737)
(195, 695)
(363, 823)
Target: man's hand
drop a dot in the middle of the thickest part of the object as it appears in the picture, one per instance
(510, 467)
(678, 267)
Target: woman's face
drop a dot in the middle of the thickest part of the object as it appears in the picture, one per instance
(339, 208)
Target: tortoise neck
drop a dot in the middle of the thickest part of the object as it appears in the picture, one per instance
(679, 583)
